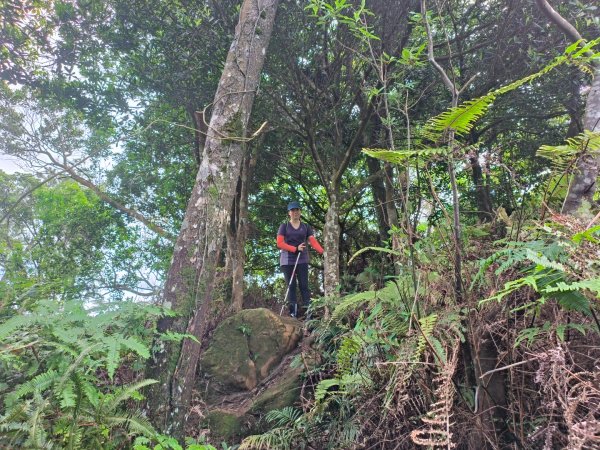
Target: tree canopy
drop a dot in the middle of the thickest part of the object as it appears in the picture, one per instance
(446, 153)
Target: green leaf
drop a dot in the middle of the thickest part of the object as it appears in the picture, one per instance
(591, 284)
(137, 346)
(67, 396)
(323, 388)
(112, 355)
(14, 323)
(588, 235)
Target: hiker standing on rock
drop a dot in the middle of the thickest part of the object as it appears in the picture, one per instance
(291, 240)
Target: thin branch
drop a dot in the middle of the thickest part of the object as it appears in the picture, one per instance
(447, 82)
(489, 372)
(559, 20)
(25, 195)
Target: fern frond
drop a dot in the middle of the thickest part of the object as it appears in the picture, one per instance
(136, 423)
(400, 157)
(542, 261)
(91, 392)
(112, 355)
(324, 386)
(14, 323)
(437, 430)
(348, 349)
(67, 396)
(563, 156)
(426, 325)
(591, 284)
(75, 365)
(284, 416)
(573, 301)
(39, 383)
(275, 439)
(462, 118)
(351, 303)
(126, 393)
(37, 434)
(393, 291)
(136, 346)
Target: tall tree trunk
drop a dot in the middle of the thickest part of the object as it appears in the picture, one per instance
(189, 284)
(482, 192)
(238, 233)
(392, 213)
(378, 192)
(331, 244)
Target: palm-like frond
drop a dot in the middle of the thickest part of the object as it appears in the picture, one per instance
(284, 416)
(277, 438)
(563, 156)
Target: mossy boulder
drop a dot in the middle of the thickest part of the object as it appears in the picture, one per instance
(286, 392)
(224, 426)
(246, 347)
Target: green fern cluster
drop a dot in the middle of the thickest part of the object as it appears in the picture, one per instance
(547, 266)
(369, 350)
(60, 362)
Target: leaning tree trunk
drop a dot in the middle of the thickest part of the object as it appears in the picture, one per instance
(189, 284)
(583, 184)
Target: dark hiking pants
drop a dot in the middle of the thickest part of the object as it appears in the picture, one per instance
(301, 276)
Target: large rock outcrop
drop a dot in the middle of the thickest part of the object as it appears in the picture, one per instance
(245, 348)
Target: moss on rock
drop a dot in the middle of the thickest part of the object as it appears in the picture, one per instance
(286, 392)
(224, 426)
(247, 346)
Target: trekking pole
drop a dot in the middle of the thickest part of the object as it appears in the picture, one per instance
(289, 284)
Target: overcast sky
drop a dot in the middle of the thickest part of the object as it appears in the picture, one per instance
(8, 164)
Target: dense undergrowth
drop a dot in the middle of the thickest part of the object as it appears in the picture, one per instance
(403, 365)
(515, 366)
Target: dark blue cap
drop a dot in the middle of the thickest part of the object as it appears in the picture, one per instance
(293, 205)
